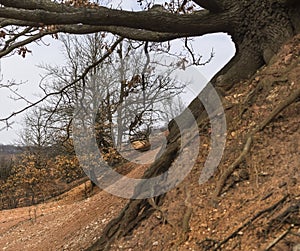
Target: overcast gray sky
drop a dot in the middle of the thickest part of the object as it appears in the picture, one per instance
(18, 69)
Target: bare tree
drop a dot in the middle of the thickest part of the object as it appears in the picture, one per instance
(36, 132)
(123, 89)
(171, 108)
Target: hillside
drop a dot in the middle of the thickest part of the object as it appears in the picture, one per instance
(259, 202)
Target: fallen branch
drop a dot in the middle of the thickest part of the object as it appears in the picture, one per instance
(251, 220)
(277, 110)
(231, 168)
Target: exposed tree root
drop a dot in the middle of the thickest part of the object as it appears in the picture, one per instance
(132, 214)
(247, 223)
(185, 223)
(232, 167)
(136, 210)
(163, 216)
(278, 109)
(248, 143)
(285, 217)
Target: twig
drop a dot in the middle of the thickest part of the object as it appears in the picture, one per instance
(280, 237)
(232, 167)
(197, 61)
(257, 215)
(60, 92)
(277, 110)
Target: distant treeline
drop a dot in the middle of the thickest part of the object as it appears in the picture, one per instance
(31, 174)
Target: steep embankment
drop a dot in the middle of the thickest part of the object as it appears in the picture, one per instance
(253, 202)
(259, 200)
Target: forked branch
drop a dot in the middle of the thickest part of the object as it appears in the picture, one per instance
(157, 20)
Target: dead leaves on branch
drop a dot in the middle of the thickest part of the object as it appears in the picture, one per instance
(22, 51)
(173, 6)
(50, 29)
(2, 34)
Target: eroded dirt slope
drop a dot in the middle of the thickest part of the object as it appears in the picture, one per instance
(258, 208)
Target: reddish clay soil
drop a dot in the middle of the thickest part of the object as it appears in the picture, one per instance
(258, 207)
(69, 222)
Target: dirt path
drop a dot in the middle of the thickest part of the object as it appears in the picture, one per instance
(56, 225)
(72, 222)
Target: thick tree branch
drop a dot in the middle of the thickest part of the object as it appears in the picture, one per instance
(198, 23)
(142, 35)
(10, 21)
(37, 5)
(134, 34)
